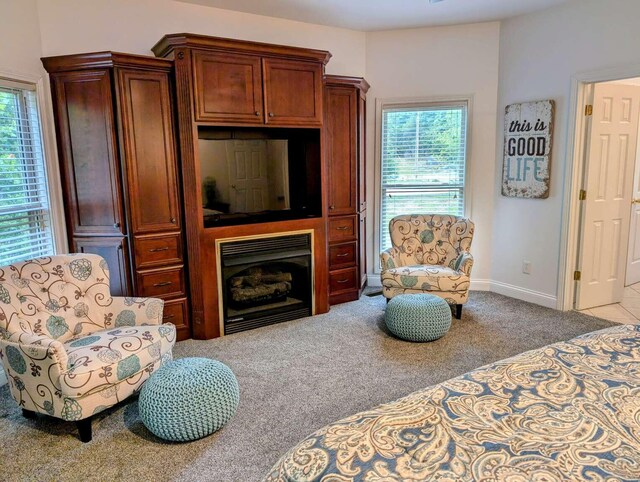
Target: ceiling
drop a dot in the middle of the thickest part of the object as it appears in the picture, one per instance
(384, 14)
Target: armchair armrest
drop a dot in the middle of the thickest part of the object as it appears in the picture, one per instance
(46, 353)
(464, 263)
(389, 259)
(125, 311)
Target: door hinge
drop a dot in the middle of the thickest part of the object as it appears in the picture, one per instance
(577, 275)
(588, 109)
(583, 195)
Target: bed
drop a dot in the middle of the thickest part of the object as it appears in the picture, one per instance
(565, 412)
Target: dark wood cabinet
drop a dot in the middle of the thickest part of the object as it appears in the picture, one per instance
(341, 150)
(228, 88)
(223, 83)
(283, 78)
(115, 253)
(87, 145)
(148, 144)
(345, 102)
(117, 149)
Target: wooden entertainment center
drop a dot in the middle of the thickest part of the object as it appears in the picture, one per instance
(130, 130)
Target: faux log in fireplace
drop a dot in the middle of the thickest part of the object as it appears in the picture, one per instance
(265, 281)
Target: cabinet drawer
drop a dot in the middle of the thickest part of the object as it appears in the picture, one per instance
(151, 251)
(342, 255)
(343, 228)
(175, 311)
(163, 283)
(343, 280)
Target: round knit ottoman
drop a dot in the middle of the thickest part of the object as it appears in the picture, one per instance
(188, 399)
(418, 317)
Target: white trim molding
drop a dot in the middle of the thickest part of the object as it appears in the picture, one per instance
(577, 130)
(377, 158)
(49, 152)
(524, 294)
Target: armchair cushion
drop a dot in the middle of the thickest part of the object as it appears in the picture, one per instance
(426, 278)
(107, 357)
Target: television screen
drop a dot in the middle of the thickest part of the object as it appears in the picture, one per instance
(246, 180)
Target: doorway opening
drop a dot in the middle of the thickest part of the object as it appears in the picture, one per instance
(607, 256)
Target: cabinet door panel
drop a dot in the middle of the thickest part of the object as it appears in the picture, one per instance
(88, 155)
(114, 251)
(342, 148)
(228, 88)
(293, 92)
(149, 150)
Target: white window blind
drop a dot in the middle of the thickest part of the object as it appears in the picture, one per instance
(423, 161)
(25, 224)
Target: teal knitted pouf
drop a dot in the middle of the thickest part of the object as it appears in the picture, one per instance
(188, 399)
(418, 317)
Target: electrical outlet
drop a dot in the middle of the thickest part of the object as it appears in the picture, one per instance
(526, 267)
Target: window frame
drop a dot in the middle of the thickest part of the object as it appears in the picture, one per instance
(39, 84)
(415, 103)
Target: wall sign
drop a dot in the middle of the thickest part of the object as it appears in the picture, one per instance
(528, 133)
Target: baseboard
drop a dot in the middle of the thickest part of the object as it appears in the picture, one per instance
(480, 285)
(374, 280)
(524, 294)
(512, 291)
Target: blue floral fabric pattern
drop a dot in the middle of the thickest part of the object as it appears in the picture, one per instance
(430, 253)
(68, 347)
(566, 412)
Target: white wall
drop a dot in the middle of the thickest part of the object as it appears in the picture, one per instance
(20, 38)
(539, 53)
(443, 61)
(72, 26)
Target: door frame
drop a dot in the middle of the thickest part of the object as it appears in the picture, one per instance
(578, 132)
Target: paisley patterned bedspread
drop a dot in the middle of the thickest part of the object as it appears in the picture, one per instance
(566, 412)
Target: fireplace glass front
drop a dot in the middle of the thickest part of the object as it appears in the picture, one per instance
(265, 281)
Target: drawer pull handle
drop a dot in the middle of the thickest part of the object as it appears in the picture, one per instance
(341, 281)
(343, 255)
(157, 250)
(342, 228)
(168, 317)
(164, 283)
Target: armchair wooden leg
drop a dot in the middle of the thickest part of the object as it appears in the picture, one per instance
(458, 313)
(28, 413)
(84, 429)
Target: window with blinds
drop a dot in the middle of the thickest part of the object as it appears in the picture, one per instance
(25, 224)
(423, 161)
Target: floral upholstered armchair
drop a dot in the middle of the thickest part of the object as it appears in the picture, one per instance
(70, 349)
(430, 254)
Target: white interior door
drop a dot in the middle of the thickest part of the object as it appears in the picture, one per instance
(248, 176)
(607, 209)
(633, 253)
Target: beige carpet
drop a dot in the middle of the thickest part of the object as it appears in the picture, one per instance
(294, 378)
